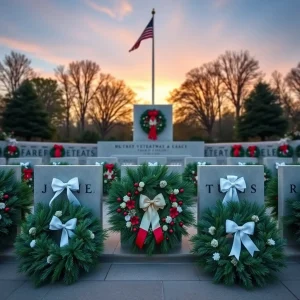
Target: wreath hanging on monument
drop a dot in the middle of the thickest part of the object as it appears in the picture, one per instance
(111, 173)
(237, 151)
(151, 208)
(11, 151)
(190, 173)
(27, 173)
(153, 122)
(48, 255)
(57, 151)
(239, 243)
(285, 150)
(15, 203)
(252, 151)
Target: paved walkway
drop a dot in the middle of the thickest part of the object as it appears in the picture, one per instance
(143, 281)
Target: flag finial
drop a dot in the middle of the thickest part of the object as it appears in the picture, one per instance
(153, 11)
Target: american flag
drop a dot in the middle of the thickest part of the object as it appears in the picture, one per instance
(147, 34)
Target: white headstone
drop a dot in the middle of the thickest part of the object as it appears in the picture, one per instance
(288, 189)
(209, 191)
(90, 180)
(2, 161)
(69, 160)
(32, 160)
(210, 160)
(152, 159)
(237, 160)
(138, 133)
(270, 162)
(93, 160)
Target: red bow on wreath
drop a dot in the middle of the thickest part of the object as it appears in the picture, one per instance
(58, 150)
(27, 173)
(152, 135)
(109, 167)
(284, 148)
(236, 150)
(12, 148)
(252, 150)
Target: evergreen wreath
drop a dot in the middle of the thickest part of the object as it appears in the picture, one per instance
(39, 253)
(111, 173)
(297, 151)
(252, 151)
(153, 122)
(293, 220)
(27, 173)
(57, 151)
(237, 151)
(15, 203)
(11, 151)
(59, 163)
(285, 150)
(190, 174)
(213, 245)
(170, 221)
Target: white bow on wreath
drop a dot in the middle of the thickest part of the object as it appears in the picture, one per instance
(230, 187)
(277, 164)
(154, 164)
(58, 187)
(201, 163)
(241, 236)
(56, 224)
(242, 164)
(25, 165)
(99, 163)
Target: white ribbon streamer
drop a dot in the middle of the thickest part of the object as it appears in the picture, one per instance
(242, 164)
(241, 236)
(230, 187)
(154, 164)
(201, 163)
(58, 187)
(109, 174)
(277, 164)
(25, 165)
(56, 224)
(151, 207)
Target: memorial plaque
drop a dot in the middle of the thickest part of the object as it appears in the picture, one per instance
(210, 160)
(244, 160)
(174, 169)
(69, 160)
(288, 189)
(270, 162)
(209, 191)
(32, 160)
(2, 161)
(93, 160)
(17, 171)
(140, 135)
(152, 159)
(90, 185)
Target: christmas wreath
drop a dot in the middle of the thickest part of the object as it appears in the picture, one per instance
(237, 151)
(27, 173)
(153, 122)
(218, 244)
(293, 220)
(11, 151)
(285, 150)
(15, 203)
(151, 209)
(253, 151)
(57, 151)
(47, 255)
(110, 173)
(190, 173)
(59, 163)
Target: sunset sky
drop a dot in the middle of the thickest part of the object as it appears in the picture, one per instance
(188, 33)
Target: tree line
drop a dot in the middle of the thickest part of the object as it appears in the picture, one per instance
(84, 104)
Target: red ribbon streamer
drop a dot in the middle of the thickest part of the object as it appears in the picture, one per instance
(109, 167)
(152, 135)
(153, 114)
(58, 150)
(27, 173)
(142, 234)
(252, 150)
(236, 150)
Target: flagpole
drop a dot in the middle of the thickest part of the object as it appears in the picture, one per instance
(153, 13)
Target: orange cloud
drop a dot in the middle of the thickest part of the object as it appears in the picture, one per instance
(119, 9)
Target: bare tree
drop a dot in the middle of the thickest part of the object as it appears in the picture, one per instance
(112, 104)
(293, 80)
(14, 69)
(199, 98)
(68, 94)
(84, 77)
(238, 71)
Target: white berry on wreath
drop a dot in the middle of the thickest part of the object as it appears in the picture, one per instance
(214, 243)
(216, 256)
(32, 231)
(32, 244)
(2, 205)
(128, 224)
(212, 230)
(163, 184)
(58, 213)
(126, 198)
(176, 191)
(271, 242)
(168, 219)
(141, 184)
(123, 205)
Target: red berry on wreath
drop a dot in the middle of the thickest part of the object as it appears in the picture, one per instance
(180, 203)
(136, 192)
(167, 238)
(136, 184)
(119, 210)
(180, 224)
(171, 231)
(181, 190)
(163, 219)
(6, 209)
(119, 199)
(172, 223)
(5, 196)
(134, 229)
(125, 213)
(129, 194)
